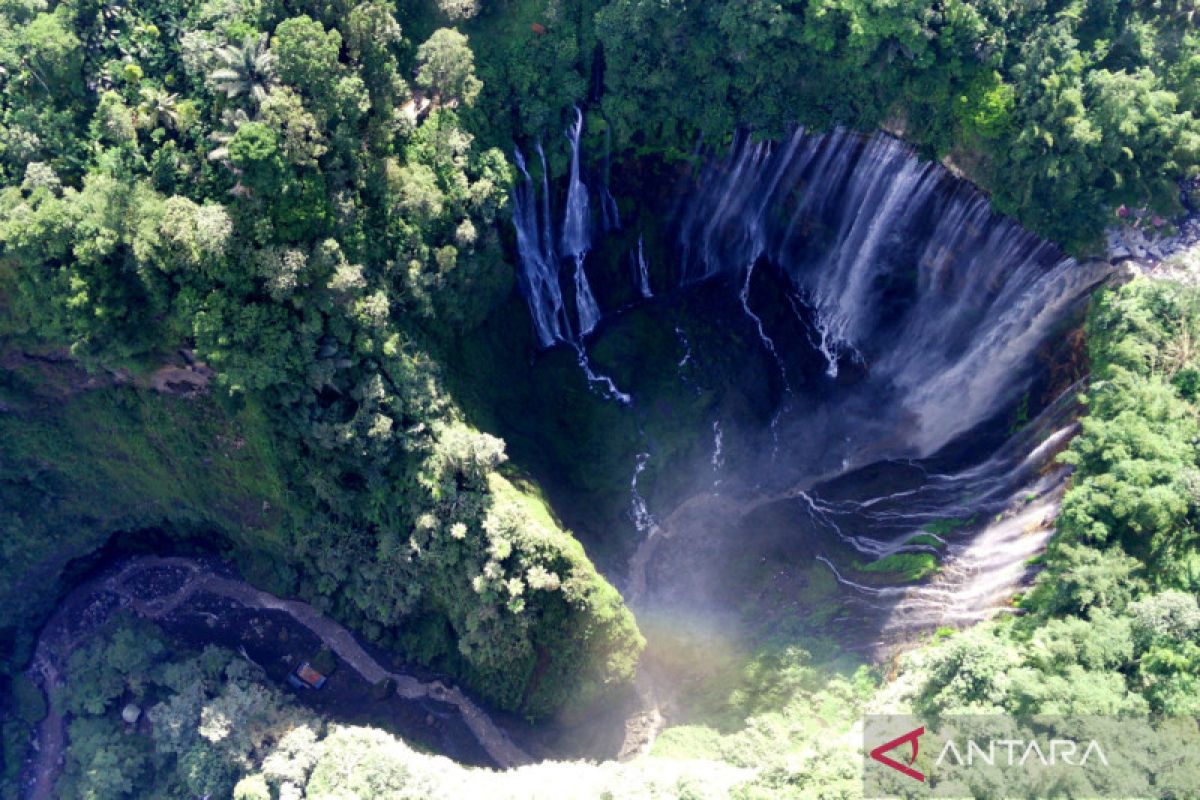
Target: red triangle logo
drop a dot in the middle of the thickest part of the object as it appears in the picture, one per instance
(910, 737)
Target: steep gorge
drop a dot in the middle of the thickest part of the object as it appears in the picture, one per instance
(914, 354)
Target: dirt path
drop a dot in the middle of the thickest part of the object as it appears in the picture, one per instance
(51, 735)
(91, 604)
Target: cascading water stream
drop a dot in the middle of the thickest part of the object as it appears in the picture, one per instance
(641, 271)
(585, 301)
(894, 264)
(718, 452)
(538, 274)
(607, 386)
(610, 215)
(638, 509)
(547, 218)
(686, 347)
(767, 342)
(984, 522)
(903, 266)
(898, 266)
(576, 234)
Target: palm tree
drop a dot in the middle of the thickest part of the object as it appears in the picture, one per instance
(1185, 11)
(158, 108)
(232, 120)
(248, 70)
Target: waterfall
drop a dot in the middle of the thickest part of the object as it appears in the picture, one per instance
(610, 215)
(718, 453)
(641, 272)
(538, 272)
(891, 263)
(576, 234)
(643, 520)
(898, 265)
(585, 301)
(538, 269)
(902, 267)
(538, 276)
(925, 311)
(607, 387)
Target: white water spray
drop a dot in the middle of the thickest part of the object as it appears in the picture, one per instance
(576, 234)
(538, 276)
(638, 509)
(718, 451)
(686, 345)
(607, 387)
(538, 267)
(641, 271)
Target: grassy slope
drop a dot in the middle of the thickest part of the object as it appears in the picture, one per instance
(76, 469)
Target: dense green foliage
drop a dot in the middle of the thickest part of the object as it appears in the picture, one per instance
(260, 183)
(1112, 623)
(200, 720)
(75, 470)
(211, 723)
(1063, 109)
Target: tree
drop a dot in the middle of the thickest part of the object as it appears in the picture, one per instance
(372, 33)
(207, 772)
(418, 194)
(306, 56)
(255, 149)
(293, 757)
(302, 140)
(1146, 141)
(158, 107)
(1171, 616)
(104, 764)
(1083, 578)
(50, 53)
(447, 68)
(252, 787)
(178, 234)
(368, 763)
(460, 9)
(970, 672)
(113, 122)
(247, 70)
(108, 667)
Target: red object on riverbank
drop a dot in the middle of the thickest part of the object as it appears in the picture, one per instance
(305, 677)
